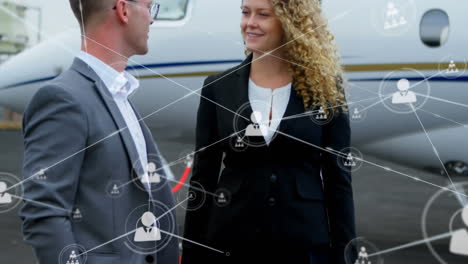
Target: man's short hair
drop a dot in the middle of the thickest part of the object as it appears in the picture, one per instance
(84, 10)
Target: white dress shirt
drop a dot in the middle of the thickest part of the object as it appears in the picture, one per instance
(121, 85)
(266, 101)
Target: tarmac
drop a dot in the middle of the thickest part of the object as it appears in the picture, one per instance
(389, 209)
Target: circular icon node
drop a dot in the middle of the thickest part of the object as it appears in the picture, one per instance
(404, 95)
(357, 113)
(236, 142)
(150, 176)
(77, 214)
(321, 116)
(451, 68)
(252, 126)
(150, 228)
(362, 251)
(350, 159)
(187, 156)
(73, 254)
(40, 175)
(393, 18)
(11, 191)
(115, 189)
(195, 197)
(222, 197)
(445, 218)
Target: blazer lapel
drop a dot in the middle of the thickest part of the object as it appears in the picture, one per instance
(243, 107)
(151, 148)
(153, 154)
(123, 129)
(115, 113)
(294, 107)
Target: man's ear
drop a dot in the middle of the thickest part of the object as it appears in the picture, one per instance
(122, 11)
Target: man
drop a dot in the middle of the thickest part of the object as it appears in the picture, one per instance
(91, 150)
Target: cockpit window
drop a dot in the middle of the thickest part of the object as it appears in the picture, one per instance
(172, 9)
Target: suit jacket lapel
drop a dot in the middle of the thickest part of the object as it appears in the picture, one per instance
(242, 102)
(124, 130)
(153, 154)
(113, 109)
(150, 144)
(294, 107)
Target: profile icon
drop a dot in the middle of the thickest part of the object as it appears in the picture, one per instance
(239, 143)
(356, 114)
(393, 19)
(363, 257)
(452, 68)
(149, 231)
(151, 175)
(189, 160)
(349, 162)
(41, 175)
(5, 198)
(459, 240)
(255, 129)
(321, 115)
(115, 190)
(76, 214)
(222, 198)
(404, 96)
(73, 258)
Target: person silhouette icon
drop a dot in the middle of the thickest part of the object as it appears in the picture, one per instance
(321, 114)
(73, 259)
(393, 19)
(153, 176)
(404, 96)
(452, 68)
(356, 114)
(350, 161)
(115, 190)
(255, 129)
(222, 198)
(41, 175)
(239, 143)
(391, 14)
(459, 240)
(363, 257)
(149, 231)
(189, 160)
(77, 214)
(5, 198)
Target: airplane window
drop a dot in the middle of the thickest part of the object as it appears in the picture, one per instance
(435, 27)
(172, 9)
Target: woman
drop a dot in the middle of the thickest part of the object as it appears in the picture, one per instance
(270, 204)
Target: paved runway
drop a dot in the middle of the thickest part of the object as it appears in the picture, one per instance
(388, 209)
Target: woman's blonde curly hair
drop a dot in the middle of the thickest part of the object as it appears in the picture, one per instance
(313, 56)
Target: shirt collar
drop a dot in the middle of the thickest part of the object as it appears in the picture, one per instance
(261, 91)
(117, 83)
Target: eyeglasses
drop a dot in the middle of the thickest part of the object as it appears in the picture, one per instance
(153, 10)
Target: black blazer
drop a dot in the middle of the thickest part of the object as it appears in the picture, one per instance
(276, 198)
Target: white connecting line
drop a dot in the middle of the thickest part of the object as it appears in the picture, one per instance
(433, 147)
(133, 231)
(195, 91)
(342, 154)
(189, 94)
(412, 244)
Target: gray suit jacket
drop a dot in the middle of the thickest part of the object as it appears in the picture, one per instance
(70, 130)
